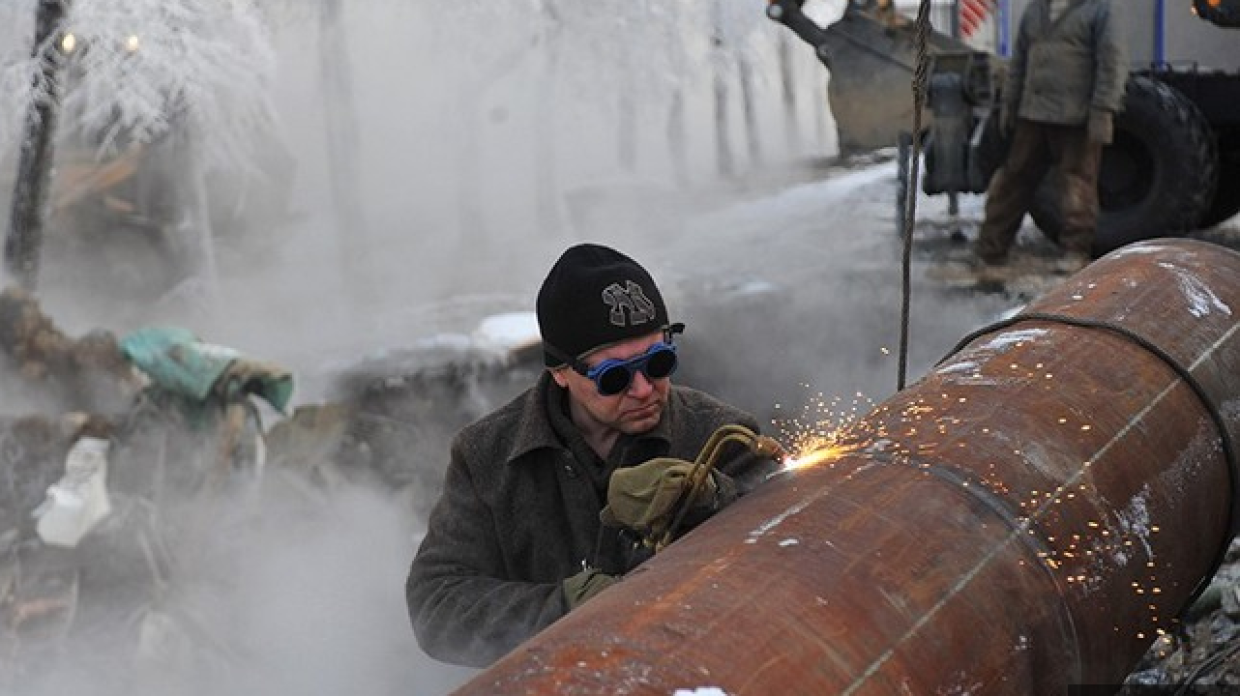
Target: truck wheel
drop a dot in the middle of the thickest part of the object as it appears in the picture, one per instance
(1227, 193)
(1157, 177)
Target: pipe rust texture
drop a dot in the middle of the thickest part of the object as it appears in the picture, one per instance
(1027, 517)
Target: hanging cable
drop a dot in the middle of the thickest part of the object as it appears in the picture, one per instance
(921, 78)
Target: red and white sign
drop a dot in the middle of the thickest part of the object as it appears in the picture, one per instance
(973, 14)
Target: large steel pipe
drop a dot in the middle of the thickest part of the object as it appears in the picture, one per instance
(1027, 517)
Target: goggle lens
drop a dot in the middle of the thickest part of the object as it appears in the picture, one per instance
(613, 377)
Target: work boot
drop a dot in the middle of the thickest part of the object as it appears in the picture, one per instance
(969, 272)
(995, 272)
(1071, 262)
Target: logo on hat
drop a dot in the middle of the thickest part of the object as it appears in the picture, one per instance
(631, 298)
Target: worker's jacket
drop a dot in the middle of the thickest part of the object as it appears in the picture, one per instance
(1062, 69)
(519, 513)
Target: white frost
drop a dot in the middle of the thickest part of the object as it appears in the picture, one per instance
(1134, 520)
(1143, 248)
(154, 66)
(957, 367)
(1200, 297)
(1004, 341)
(701, 691)
(774, 522)
(966, 372)
(1132, 524)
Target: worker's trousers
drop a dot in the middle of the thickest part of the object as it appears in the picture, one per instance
(1039, 149)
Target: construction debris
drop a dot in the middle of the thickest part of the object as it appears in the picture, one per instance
(79, 501)
(60, 374)
(88, 479)
(130, 433)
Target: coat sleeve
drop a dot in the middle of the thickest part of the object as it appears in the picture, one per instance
(1110, 63)
(1014, 84)
(462, 608)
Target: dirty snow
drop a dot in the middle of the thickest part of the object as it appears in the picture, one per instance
(508, 332)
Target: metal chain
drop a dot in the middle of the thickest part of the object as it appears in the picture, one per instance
(921, 78)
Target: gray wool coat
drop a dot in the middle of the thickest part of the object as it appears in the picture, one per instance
(519, 513)
(1062, 69)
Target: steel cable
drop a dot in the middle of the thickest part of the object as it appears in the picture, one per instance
(920, 80)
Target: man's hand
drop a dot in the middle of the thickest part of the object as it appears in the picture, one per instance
(586, 584)
(1101, 126)
(643, 497)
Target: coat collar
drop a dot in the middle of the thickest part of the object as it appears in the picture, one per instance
(534, 430)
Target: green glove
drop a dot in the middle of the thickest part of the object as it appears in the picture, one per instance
(586, 584)
(643, 497)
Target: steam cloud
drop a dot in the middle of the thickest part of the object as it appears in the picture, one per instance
(490, 137)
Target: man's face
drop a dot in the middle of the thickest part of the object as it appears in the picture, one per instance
(634, 410)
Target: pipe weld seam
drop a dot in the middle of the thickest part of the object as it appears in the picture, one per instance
(975, 488)
(1212, 409)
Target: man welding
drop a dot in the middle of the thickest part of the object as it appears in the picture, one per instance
(552, 498)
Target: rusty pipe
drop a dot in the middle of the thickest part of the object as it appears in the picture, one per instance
(1026, 517)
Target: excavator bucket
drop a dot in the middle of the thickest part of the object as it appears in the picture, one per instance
(871, 53)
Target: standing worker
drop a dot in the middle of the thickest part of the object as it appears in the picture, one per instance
(1065, 84)
(516, 541)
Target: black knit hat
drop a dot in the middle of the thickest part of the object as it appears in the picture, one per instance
(595, 296)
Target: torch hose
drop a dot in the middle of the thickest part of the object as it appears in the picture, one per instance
(704, 464)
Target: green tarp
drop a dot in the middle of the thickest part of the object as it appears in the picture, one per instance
(177, 361)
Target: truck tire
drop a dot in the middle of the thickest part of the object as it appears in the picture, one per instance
(1227, 193)
(1157, 177)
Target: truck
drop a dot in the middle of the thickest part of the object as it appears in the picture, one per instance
(1173, 167)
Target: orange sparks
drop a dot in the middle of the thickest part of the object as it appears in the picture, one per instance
(823, 432)
(825, 453)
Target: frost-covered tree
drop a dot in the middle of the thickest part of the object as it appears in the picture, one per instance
(140, 68)
(193, 73)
